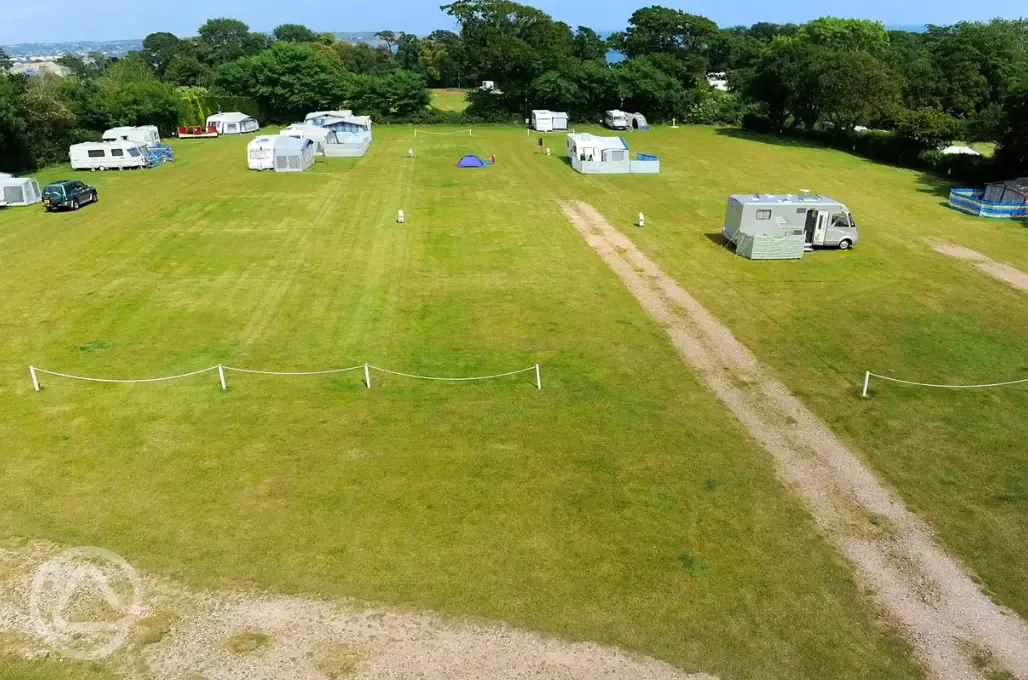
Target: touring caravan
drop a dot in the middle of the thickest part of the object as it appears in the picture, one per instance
(549, 121)
(779, 227)
(144, 134)
(101, 156)
(280, 153)
(233, 123)
(616, 120)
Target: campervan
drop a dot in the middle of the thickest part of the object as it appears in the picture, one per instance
(616, 120)
(101, 156)
(799, 221)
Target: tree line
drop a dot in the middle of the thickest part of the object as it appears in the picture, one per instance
(829, 77)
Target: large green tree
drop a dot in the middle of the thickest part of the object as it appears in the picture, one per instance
(297, 33)
(686, 39)
(287, 80)
(224, 40)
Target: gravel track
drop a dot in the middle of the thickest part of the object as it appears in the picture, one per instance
(948, 620)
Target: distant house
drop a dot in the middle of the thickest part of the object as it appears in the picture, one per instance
(38, 68)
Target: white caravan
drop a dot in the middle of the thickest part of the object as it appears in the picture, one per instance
(108, 156)
(144, 134)
(233, 123)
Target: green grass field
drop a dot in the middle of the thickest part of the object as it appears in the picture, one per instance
(449, 99)
(621, 504)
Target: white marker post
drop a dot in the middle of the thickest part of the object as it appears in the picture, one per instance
(399, 217)
(642, 220)
(221, 374)
(538, 378)
(35, 380)
(367, 376)
(867, 379)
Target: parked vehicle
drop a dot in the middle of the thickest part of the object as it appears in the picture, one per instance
(68, 194)
(616, 120)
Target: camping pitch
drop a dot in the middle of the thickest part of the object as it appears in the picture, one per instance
(473, 161)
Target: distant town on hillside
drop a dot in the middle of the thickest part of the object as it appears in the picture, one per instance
(118, 48)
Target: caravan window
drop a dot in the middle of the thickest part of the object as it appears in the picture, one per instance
(134, 153)
(763, 214)
(96, 153)
(259, 154)
(117, 153)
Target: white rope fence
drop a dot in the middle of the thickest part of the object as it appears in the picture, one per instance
(442, 134)
(222, 369)
(868, 375)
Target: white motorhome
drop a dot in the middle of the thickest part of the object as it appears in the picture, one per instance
(233, 123)
(144, 134)
(117, 155)
(616, 120)
(549, 121)
(770, 226)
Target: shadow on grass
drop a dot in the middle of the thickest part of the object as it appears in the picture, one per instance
(717, 238)
(936, 185)
(767, 138)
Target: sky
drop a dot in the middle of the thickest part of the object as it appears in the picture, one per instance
(100, 20)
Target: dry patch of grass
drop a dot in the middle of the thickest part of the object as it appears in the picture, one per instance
(247, 642)
(339, 661)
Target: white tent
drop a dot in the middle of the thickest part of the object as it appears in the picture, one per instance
(144, 134)
(18, 190)
(108, 155)
(280, 153)
(322, 137)
(549, 121)
(960, 151)
(233, 123)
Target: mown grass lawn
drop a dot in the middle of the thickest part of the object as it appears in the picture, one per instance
(892, 306)
(449, 99)
(620, 504)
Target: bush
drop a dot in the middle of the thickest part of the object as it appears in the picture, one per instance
(713, 107)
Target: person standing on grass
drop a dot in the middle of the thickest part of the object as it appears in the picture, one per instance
(540, 145)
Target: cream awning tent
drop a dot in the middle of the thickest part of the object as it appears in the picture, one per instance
(19, 190)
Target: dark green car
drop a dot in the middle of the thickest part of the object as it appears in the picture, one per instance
(70, 193)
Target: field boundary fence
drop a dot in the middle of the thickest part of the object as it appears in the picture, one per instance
(222, 370)
(868, 375)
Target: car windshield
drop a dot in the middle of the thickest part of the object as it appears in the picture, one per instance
(853, 222)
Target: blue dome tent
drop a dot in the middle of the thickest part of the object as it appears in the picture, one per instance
(472, 161)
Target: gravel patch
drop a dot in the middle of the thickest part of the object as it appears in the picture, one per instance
(946, 617)
(997, 270)
(311, 639)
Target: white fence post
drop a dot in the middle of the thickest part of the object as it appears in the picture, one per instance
(221, 374)
(367, 376)
(35, 380)
(538, 378)
(867, 379)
